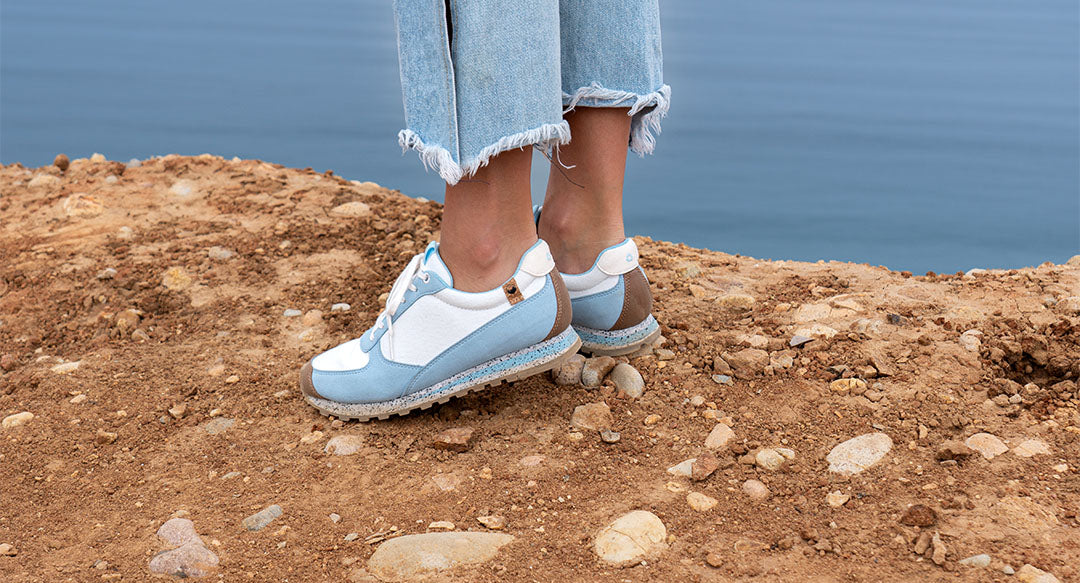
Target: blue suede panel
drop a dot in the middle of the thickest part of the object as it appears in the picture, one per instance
(526, 323)
(381, 380)
(434, 284)
(601, 310)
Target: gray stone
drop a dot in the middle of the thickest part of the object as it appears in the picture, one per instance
(858, 453)
(609, 436)
(189, 560)
(595, 369)
(178, 532)
(799, 340)
(569, 373)
(981, 561)
(683, 469)
(220, 253)
(218, 425)
(755, 490)
(410, 557)
(631, 538)
(260, 519)
(722, 379)
(628, 380)
(342, 307)
(292, 313)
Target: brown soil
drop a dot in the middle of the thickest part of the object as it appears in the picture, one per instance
(78, 506)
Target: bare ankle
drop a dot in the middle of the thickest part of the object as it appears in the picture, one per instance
(576, 239)
(484, 265)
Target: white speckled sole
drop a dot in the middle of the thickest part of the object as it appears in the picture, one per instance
(542, 357)
(619, 342)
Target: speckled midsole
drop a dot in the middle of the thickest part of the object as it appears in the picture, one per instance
(516, 365)
(628, 338)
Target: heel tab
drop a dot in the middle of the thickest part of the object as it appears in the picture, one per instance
(537, 261)
(619, 259)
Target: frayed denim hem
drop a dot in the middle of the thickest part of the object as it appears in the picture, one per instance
(647, 110)
(545, 137)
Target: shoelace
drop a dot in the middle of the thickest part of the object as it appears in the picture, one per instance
(404, 282)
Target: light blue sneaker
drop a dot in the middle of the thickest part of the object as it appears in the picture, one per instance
(612, 303)
(433, 342)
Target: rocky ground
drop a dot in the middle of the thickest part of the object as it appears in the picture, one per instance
(800, 422)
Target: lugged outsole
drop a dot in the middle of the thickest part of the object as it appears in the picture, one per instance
(441, 398)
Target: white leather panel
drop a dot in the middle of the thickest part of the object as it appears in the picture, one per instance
(436, 322)
(347, 356)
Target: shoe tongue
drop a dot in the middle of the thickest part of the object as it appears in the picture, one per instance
(433, 263)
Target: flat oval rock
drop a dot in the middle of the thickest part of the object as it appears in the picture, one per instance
(858, 453)
(410, 557)
(632, 537)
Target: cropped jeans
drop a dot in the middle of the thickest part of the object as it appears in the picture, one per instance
(480, 77)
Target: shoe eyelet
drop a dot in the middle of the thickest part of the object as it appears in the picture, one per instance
(512, 289)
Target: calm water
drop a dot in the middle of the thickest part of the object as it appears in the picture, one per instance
(922, 135)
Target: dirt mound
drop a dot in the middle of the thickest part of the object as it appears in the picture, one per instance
(154, 315)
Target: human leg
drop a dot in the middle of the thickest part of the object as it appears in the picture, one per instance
(487, 222)
(487, 304)
(615, 97)
(583, 204)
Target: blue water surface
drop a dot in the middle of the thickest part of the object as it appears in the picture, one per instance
(919, 135)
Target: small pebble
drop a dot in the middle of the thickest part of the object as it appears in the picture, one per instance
(456, 439)
(16, 420)
(628, 380)
(701, 502)
(262, 518)
(980, 561)
(722, 379)
(342, 307)
(595, 369)
(292, 313)
(494, 522)
(609, 436)
(755, 490)
(569, 374)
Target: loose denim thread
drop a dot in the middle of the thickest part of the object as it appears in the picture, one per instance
(439, 158)
(644, 125)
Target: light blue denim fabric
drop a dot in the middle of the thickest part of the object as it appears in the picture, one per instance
(480, 77)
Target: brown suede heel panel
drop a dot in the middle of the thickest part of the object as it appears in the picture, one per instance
(306, 386)
(562, 311)
(637, 303)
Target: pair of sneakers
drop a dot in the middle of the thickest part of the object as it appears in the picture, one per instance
(433, 342)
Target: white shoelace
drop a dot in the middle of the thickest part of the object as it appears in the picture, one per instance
(404, 282)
